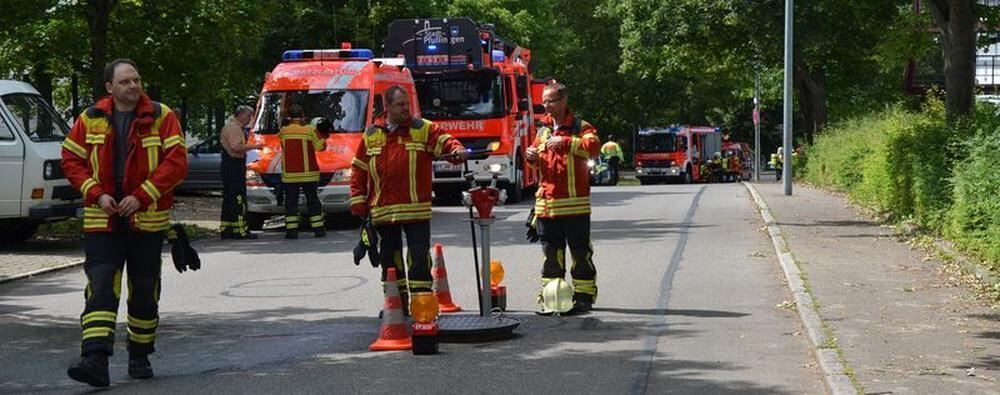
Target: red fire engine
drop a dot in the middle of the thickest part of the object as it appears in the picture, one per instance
(677, 152)
(477, 87)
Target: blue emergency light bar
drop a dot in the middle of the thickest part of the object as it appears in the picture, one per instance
(326, 54)
(498, 56)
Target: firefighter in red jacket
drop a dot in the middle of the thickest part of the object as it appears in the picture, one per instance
(125, 155)
(391, 184)
(562, 205)
(300, 171)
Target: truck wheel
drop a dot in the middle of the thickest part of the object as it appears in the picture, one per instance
(16, 231)
(688, 177)
(255, 221)
(515, 192)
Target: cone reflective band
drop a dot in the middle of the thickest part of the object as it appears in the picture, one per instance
(440, 286)
(393, 335)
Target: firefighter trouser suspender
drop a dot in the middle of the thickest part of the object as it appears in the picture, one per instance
(234, 195)
(314, 210)
(555, 234)
(416, 276)
(107, 257)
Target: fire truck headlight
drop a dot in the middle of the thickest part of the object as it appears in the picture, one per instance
(590, 163)
(254, 179)
(342, 175)
(495, 168)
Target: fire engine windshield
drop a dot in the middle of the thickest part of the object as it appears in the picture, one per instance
(656, 142)
(346, 109)
(461, 95)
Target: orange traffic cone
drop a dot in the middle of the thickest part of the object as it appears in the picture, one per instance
(440, 286)
(393, 335)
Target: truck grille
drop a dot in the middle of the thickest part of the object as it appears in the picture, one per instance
(656, 163)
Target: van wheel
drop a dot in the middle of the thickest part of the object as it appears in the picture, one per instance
(255, 221)
(16, 231)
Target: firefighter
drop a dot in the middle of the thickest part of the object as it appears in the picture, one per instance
(125, 154)
(777, 162)
(233, 169)
(562, 204)
(391, 186)
(300, 171)
(611, 152)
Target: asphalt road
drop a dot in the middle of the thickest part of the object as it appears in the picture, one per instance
(691, 301)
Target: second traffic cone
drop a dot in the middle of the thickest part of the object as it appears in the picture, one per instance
(440, 275)
(392, 336)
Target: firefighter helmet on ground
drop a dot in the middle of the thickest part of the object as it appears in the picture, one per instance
(557, 296)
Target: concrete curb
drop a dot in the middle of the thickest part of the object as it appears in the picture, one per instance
(834, 370)
(40, 272)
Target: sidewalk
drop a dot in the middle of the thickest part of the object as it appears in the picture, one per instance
(38, 256)
(902, 324)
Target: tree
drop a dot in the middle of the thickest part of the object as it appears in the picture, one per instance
(720, 43)
(957, 21)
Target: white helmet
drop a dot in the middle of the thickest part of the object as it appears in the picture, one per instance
(557, 297)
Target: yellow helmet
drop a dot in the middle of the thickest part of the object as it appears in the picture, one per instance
(557, 297)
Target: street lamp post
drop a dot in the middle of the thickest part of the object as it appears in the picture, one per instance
(786, 171)
(756, 127)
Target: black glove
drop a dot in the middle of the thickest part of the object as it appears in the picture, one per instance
(368, 245)
(532, 234)
(181, 252)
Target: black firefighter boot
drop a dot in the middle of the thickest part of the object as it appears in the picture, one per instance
(91, 369)
(139, 367)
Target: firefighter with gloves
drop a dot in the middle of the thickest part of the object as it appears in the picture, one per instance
(125, 155)
(391, 186)
(562, 204)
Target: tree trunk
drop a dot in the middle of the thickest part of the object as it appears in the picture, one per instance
(98, 15)
(812, 99)
(43, 81)
(957, 21)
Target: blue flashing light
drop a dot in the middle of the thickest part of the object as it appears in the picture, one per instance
(483, 42)
(498, 55)
(292, 55)
(432, 47)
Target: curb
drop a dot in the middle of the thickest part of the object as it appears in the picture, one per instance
(40, 272)
(834, 370)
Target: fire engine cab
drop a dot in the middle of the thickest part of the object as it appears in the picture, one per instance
(674, 153)
(477, 87)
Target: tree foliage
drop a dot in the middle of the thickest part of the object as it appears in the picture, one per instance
(628, 63)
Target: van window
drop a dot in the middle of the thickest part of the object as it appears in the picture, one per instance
(346, 109)
(36, 117)
(6, 134)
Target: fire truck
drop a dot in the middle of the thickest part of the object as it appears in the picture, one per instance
(341, 87)
(674, 153)
(477, 87)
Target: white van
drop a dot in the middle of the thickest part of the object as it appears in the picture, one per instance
(33, 189)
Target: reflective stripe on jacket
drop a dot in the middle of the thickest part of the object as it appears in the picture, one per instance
(392, 171)
(155, 164)
(564, 189)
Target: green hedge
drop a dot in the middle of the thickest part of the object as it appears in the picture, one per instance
(913, 166)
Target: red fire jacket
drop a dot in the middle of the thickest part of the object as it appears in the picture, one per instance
(156, 163)
(392, 171)
(564, 188)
